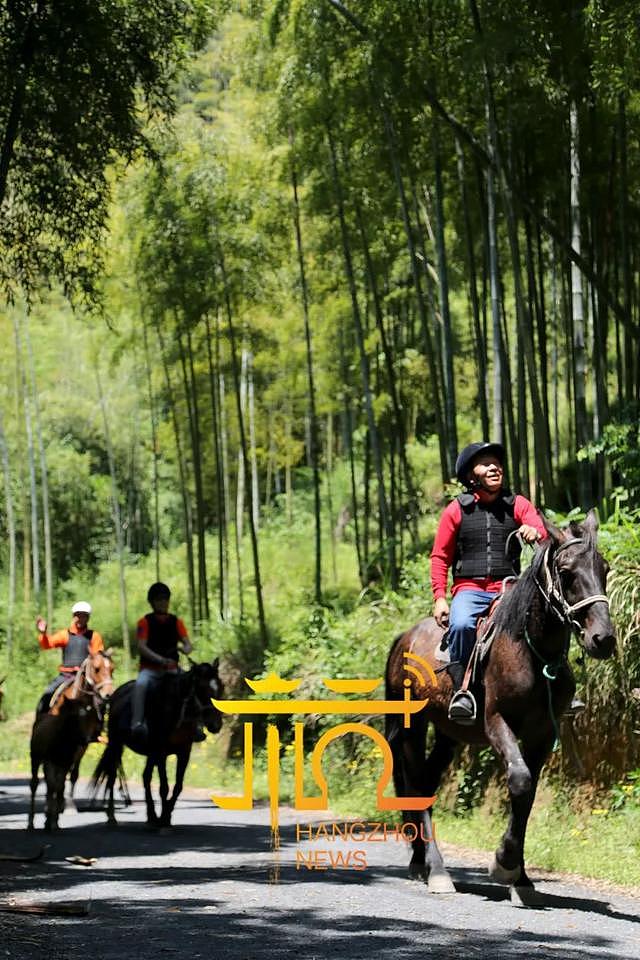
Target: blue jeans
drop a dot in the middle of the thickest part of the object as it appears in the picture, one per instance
(466, 607)
(146, 679)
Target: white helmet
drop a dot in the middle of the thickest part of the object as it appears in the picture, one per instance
(81, 607)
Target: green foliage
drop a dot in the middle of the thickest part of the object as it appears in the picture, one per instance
(79, 80)
(620, 445)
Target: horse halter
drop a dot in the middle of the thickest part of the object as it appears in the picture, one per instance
(556, 598)
(91, 686)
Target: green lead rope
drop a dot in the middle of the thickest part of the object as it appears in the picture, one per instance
(549, 672)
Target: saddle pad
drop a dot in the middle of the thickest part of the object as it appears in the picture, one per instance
(442, 656)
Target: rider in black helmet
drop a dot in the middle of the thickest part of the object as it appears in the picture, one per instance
(161, 636)
(471, 541)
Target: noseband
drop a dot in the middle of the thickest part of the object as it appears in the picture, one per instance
(554, 596)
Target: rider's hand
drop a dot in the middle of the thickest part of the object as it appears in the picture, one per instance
(41, 625)
(186, 646)
(528, 533)
(169, 664)
(441, 612)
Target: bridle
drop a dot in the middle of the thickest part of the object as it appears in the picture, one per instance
(85, 683)
(554, 596)
(193, 697)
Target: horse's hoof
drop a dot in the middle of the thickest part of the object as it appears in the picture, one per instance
(502, 875)
(526, 896)
(417, 871)
(440, 882)
(111, 824)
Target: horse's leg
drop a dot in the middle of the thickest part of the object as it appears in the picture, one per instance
(152, 818)
(534, 752)
(74, 773)
(507, 863)
(35, 766)
(437, 762)
(420, 777)
(165, 809)
(54, 805)
(182, 759)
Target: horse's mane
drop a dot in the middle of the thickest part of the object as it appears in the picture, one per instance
(511, 614)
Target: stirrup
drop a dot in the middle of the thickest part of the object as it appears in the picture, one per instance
(575, 708)
(463, 708)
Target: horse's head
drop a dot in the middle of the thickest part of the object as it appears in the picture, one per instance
(579, 577)
(100, 673)
(208, 685)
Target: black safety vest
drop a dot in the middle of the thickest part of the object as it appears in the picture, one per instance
(482, 539)
(77, 648)
(162, 637)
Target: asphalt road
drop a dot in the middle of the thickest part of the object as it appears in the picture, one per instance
(212, 888)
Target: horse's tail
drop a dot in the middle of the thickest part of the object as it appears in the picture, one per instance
(392, 724)
(106, 771)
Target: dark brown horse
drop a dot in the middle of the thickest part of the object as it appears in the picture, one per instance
(61, 736)
(527, 686)
(175, 708)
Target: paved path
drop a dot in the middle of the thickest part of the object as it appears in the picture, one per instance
(206, 890)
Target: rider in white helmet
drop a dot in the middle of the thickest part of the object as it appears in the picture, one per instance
(76, 641)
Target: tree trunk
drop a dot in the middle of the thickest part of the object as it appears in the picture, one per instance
(243, 446)
(255, 486)
(184, 491)
(213, 393)
(31, 464)
(224, 449)
(155, 452)
(313, 419)
(480, 351)
(364, 368)
(44, 480)
(11, 533)
(443, 283)
(117, 523)
(577, 308)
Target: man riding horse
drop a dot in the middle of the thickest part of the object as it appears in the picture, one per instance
(472, 540)
(77, 642)
(161, 636)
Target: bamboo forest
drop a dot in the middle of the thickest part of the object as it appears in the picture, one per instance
(266, 268)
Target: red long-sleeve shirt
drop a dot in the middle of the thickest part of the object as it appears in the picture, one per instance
(444, 547)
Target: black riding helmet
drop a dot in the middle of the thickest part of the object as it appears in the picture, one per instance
(468, 455)
(158, 590)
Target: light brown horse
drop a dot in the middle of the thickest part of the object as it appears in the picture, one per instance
(527, 685)
(60, 737)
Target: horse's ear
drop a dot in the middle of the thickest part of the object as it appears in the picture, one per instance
(556, 535)
(215, 664)
(590, 523)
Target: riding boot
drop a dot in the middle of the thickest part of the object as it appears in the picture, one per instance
(138, 725)
(462, 706)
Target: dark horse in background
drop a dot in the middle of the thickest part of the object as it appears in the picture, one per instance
(174, 709)
(527, 686)
(61, 736)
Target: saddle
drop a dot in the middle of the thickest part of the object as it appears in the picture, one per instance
(48, 700)
(485, 633)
